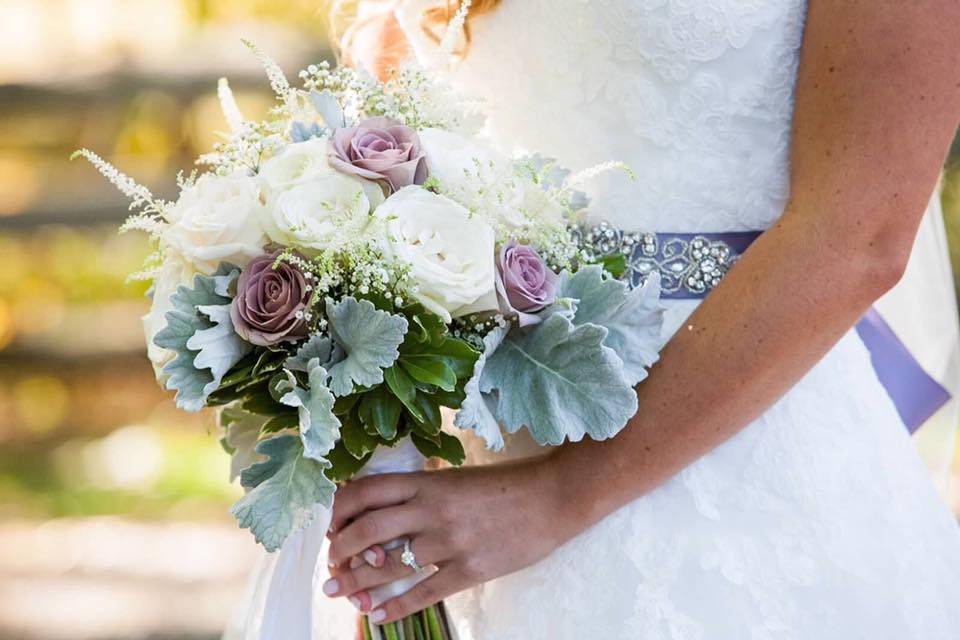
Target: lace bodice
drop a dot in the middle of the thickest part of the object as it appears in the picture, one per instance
(694, 95)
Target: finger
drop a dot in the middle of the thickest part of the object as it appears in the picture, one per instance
(355, 582)
(375, 556)
(374, 527)
(432, 590)
(372, 492)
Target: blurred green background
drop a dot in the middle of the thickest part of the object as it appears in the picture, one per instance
(113, 506)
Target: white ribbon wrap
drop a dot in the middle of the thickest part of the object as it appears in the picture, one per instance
(284, 600)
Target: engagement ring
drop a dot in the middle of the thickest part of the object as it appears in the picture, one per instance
(408, 558)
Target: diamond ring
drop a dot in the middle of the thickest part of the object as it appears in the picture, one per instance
(408, 558)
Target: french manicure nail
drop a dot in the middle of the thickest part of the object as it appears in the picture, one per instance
(355, 601)
(370, 557)
(378, 615)
(330, 587)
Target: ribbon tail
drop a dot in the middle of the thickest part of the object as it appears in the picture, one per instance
(279, 604)
(916, 395)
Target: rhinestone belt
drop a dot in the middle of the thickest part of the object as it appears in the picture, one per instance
(690, 264)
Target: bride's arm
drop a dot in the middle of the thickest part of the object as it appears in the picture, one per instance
(877, 105)
(878, 99)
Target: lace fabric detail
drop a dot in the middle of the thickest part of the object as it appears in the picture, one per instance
(694, 95)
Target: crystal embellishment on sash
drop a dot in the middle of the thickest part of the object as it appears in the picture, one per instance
(690, 265)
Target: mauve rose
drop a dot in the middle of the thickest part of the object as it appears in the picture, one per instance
(524, 283)
(380, 149)
(270, 303)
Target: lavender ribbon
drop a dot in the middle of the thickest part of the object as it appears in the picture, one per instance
(914, 392)
(696, 262)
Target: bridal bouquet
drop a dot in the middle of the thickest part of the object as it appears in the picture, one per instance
(362, 259)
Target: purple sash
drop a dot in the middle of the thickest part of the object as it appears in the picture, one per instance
(692, 264)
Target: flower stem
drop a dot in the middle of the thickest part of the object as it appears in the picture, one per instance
(436, 631)
(390, 631)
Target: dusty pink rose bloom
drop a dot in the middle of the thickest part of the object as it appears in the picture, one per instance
(525, 284)
(270, 303)
(380, 149)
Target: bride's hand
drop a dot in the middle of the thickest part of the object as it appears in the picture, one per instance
(474, 523)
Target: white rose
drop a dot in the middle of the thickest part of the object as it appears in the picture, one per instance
(451, 156)
(321, 213)
(217, 220)
(172, 274)
(304, 162)
(451, 254)
(477, 176)
(296, 163)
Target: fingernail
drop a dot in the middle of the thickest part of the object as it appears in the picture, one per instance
(356, 602)
(377, 615)
(370, 557)
(330, 587)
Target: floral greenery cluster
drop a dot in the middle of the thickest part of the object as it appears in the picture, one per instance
(362, 260)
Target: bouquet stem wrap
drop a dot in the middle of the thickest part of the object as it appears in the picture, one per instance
(284, 600)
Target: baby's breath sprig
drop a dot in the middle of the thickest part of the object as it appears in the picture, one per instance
(475, 327)
(357, 270)
(247, 149)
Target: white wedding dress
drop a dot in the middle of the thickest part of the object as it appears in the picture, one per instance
(819, 520)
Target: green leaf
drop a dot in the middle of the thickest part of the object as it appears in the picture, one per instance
(240, 372)
(477, 410)
(279, 423)
(633, 317)
(402, 386)
(430, 369)
(614, 263)
(343, 405)
(269, 360)
(425, 327)
(199, 331)
(432, 419)
(450, 448)
(319, 427)
(261, 403)
(381, 409)
(370, 338)
(283, 492)
(450, 399)
(460, 356)
(343, 465)
(356, 440)
(559, 381)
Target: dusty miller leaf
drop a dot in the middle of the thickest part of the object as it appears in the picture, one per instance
(317, 346)
(370, 339)
(559, 381)
(242, 434)
(200, 364)
(319, 428)
(633, 317)
(477, 409)
(283, 492)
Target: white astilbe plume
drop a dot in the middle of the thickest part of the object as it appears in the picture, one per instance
(228, 104)
(278, 81)
(151, 216)
(127, 185)
(455, 27)
(580, 177)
